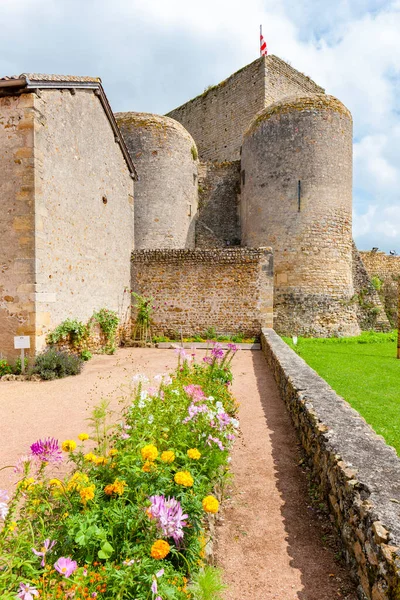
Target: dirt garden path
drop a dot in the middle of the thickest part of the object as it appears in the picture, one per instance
(271, 543)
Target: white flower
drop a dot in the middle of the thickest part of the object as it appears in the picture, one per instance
(141, 404)
(140, 378)
(211, 398)
(175, 392)
(150, 419)
(3, 504)
(144, 394)
(235, 423)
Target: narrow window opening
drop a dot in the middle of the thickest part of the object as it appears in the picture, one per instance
(299, 195)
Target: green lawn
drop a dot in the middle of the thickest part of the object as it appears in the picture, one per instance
(365, 372)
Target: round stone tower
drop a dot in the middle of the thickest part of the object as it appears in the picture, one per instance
(165, 157)
(296, 196)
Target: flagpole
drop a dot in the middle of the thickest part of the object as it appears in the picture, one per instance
(260, 39)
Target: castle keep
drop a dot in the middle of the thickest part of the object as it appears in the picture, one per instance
(262, 160)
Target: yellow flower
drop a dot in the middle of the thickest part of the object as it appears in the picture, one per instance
(56, 483)
(193, 453)
(89, 457)
(27, 484)
(148, 466)
(149, 452)
(210, 504)
(184, 478)
(87, 493)
(68, 445)
(160, 549)
(12, 526)
(168, 456)
(77, 481)
(100, 460)
(83, 436)
(118, 487)
(113, 452)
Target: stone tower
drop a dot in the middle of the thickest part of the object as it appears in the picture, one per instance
(165, 157)
(296, 196)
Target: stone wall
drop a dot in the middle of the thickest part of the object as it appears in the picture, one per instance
(370, 310)
(165, 157)
(218, 118)
(17, 221)
(84, 211)
(357, 472)
(193, 290)
(296, 196)
(387, 268)
(218, 222)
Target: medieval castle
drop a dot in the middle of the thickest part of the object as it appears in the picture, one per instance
(232, 209)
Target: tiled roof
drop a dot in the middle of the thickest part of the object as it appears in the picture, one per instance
(55, 78)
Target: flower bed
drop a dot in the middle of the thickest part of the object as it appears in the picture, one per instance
(129, 520)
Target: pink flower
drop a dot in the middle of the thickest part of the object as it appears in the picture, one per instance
(47, 546)
(27, 592)
(65, 566)
(47, 450)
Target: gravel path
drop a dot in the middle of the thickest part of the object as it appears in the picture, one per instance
(270, 541)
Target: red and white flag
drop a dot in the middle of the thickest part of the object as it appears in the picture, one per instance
(263, 44)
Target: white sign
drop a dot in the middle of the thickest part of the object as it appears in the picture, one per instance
(22, 341)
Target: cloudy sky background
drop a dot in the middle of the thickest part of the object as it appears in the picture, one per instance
(153, 55)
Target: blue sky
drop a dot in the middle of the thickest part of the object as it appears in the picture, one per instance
(154, 55)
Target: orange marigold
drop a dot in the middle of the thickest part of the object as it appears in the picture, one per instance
(149, 452)
(160, 549)
(117, 487)
(148, 466)
(168, 456)
(184, 478)
(87, 493)
(210, 504)
(113, 452)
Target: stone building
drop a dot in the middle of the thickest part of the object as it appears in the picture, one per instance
(67, 227)
(165, 157)
(259, 165)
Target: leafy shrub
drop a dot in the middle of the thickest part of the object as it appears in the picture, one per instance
(5, 368)
(86, 355)
(17, 367)
(54, 365)
(377, 283)
(70, 329)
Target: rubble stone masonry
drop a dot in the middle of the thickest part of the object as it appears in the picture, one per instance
(17, 220)
(193, 290)
(218, 118)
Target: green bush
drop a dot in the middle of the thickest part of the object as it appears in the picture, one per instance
(86, 355)
(70, 329)
(5, 368)
(54, 365)
(17, 367)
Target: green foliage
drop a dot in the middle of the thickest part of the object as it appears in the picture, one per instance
(363, 370)
(207, 584)
(210, 334)
(144, 308)
(17, 366)
(194, 152)
(377, 283)
(108, 321)
(86, 355)
(98, 515)
(69, 330)
(55, 365)
(5, 368)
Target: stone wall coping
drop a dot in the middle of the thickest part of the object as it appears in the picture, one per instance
(376, 465)
(216, 255)
(204, 345)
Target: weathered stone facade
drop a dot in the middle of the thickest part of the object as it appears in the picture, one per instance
(17, 220)
(218, 222)
(69, 205)
(370, 310)
(387, 268)
(218, 118)
(296, 197)
(165, 157)
(358, 474)
(193, 290)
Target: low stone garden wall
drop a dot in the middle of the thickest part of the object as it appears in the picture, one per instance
(229, 289)
(358, 473)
